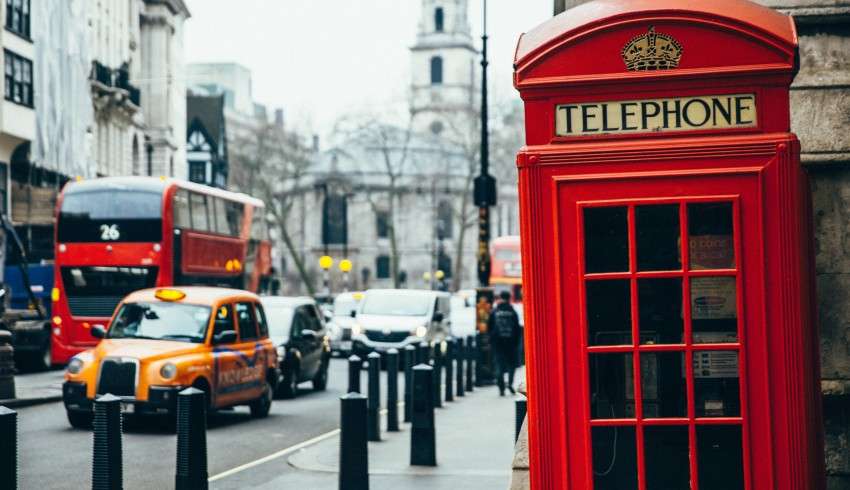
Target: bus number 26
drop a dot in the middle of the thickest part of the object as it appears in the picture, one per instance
(109, 232)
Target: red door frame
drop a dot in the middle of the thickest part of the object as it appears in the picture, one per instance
(577, 193)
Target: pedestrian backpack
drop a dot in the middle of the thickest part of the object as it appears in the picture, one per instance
(503, 323)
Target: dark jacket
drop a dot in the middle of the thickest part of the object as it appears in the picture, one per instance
(503, 326)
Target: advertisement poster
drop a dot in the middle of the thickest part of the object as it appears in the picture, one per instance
(713, 298)
(712, 252)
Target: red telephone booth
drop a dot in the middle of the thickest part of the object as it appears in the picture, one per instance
(667, 251)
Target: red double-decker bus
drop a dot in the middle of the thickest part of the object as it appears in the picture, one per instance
(506, 266)
(119, 234)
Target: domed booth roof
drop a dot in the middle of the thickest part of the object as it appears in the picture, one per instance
(716, 33)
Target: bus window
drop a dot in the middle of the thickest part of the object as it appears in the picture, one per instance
(199, 212)
(235, 211)
(182, 215)
(259, 227)
(221, 224)
(110, 215)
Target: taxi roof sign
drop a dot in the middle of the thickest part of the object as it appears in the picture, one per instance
(169, 294)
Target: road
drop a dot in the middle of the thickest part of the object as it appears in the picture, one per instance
(53, 455)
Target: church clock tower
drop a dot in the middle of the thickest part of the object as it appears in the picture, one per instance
(444, 61)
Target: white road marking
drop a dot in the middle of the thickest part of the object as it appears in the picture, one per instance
(273, 456)
(284, 452)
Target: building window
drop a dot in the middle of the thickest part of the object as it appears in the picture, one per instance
(438, 19)
(198, 172)
(335, 221)
(18, 78)
(18, 17)
(444, 220)
(382, 267)
(436, 70)
(382, 224)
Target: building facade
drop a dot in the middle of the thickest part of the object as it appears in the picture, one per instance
(391, 191)
(820, 105)
(206, 140)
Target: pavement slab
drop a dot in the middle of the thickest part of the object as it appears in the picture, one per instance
(36, 388)
(474, 451)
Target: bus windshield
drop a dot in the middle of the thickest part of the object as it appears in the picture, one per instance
(110, 215)
(161, 321)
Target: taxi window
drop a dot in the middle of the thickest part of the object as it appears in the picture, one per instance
(247, 324)
(224, 320)
(261, 316)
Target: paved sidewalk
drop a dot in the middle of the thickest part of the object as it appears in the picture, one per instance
(35, 388)
(474, 451)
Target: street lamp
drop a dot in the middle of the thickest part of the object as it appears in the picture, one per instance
(427, 278)
(345, 267)
(439, 276)
(326, 262)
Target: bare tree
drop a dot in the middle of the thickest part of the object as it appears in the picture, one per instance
(391, 146)
(271, 163)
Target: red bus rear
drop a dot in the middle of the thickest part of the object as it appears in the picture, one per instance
(506, 266)
(120, 234)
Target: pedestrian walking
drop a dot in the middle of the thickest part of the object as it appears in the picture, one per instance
(504, 329)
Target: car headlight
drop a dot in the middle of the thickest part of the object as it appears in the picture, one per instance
(356, 329)
(281, 352)
(75, 366)
(168, 370)
(421, 331)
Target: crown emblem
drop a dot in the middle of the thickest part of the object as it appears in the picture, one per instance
(652, 51)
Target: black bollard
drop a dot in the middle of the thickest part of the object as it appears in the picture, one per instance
(355, 364)
(470, 363)
(409, 362)
(521, 410)
(8, 448)
(459, 354)
(107, 471)
(423, 439)
(191, 440)
(392, 390)
(424, 353)
(437, 362)
(448, 361)
(353, 448)
(373, 420)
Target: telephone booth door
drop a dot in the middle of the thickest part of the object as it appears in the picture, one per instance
(667, 320)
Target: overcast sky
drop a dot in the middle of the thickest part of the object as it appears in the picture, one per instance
(319, 59)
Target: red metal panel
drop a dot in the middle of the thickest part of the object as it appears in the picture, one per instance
(209, 255)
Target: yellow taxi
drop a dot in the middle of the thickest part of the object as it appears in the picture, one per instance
(161, 341)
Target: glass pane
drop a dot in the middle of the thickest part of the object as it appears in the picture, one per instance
(666, 457)
(611, 386)
(658, 244)
(662, 384)
(714, 309)
(660, 310)
(609, 313)
(717, 390)
(719, 457)
(614, 458)
(711, 239)
(606, 240)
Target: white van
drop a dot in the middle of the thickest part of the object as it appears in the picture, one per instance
(396, 318)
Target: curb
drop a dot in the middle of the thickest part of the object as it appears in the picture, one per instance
(28, 402)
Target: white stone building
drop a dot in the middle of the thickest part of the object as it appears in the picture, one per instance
(349, 203)
(138, 87)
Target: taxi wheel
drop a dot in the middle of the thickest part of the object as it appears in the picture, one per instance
(80, 420)
(261, 406)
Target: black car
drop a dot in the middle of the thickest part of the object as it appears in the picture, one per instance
(303, 345)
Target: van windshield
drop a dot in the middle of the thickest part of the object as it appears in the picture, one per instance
(396, 305)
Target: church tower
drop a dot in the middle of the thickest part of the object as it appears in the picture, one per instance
(444, 61)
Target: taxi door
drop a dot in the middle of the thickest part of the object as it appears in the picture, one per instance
(226, 359)
(250, 369)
